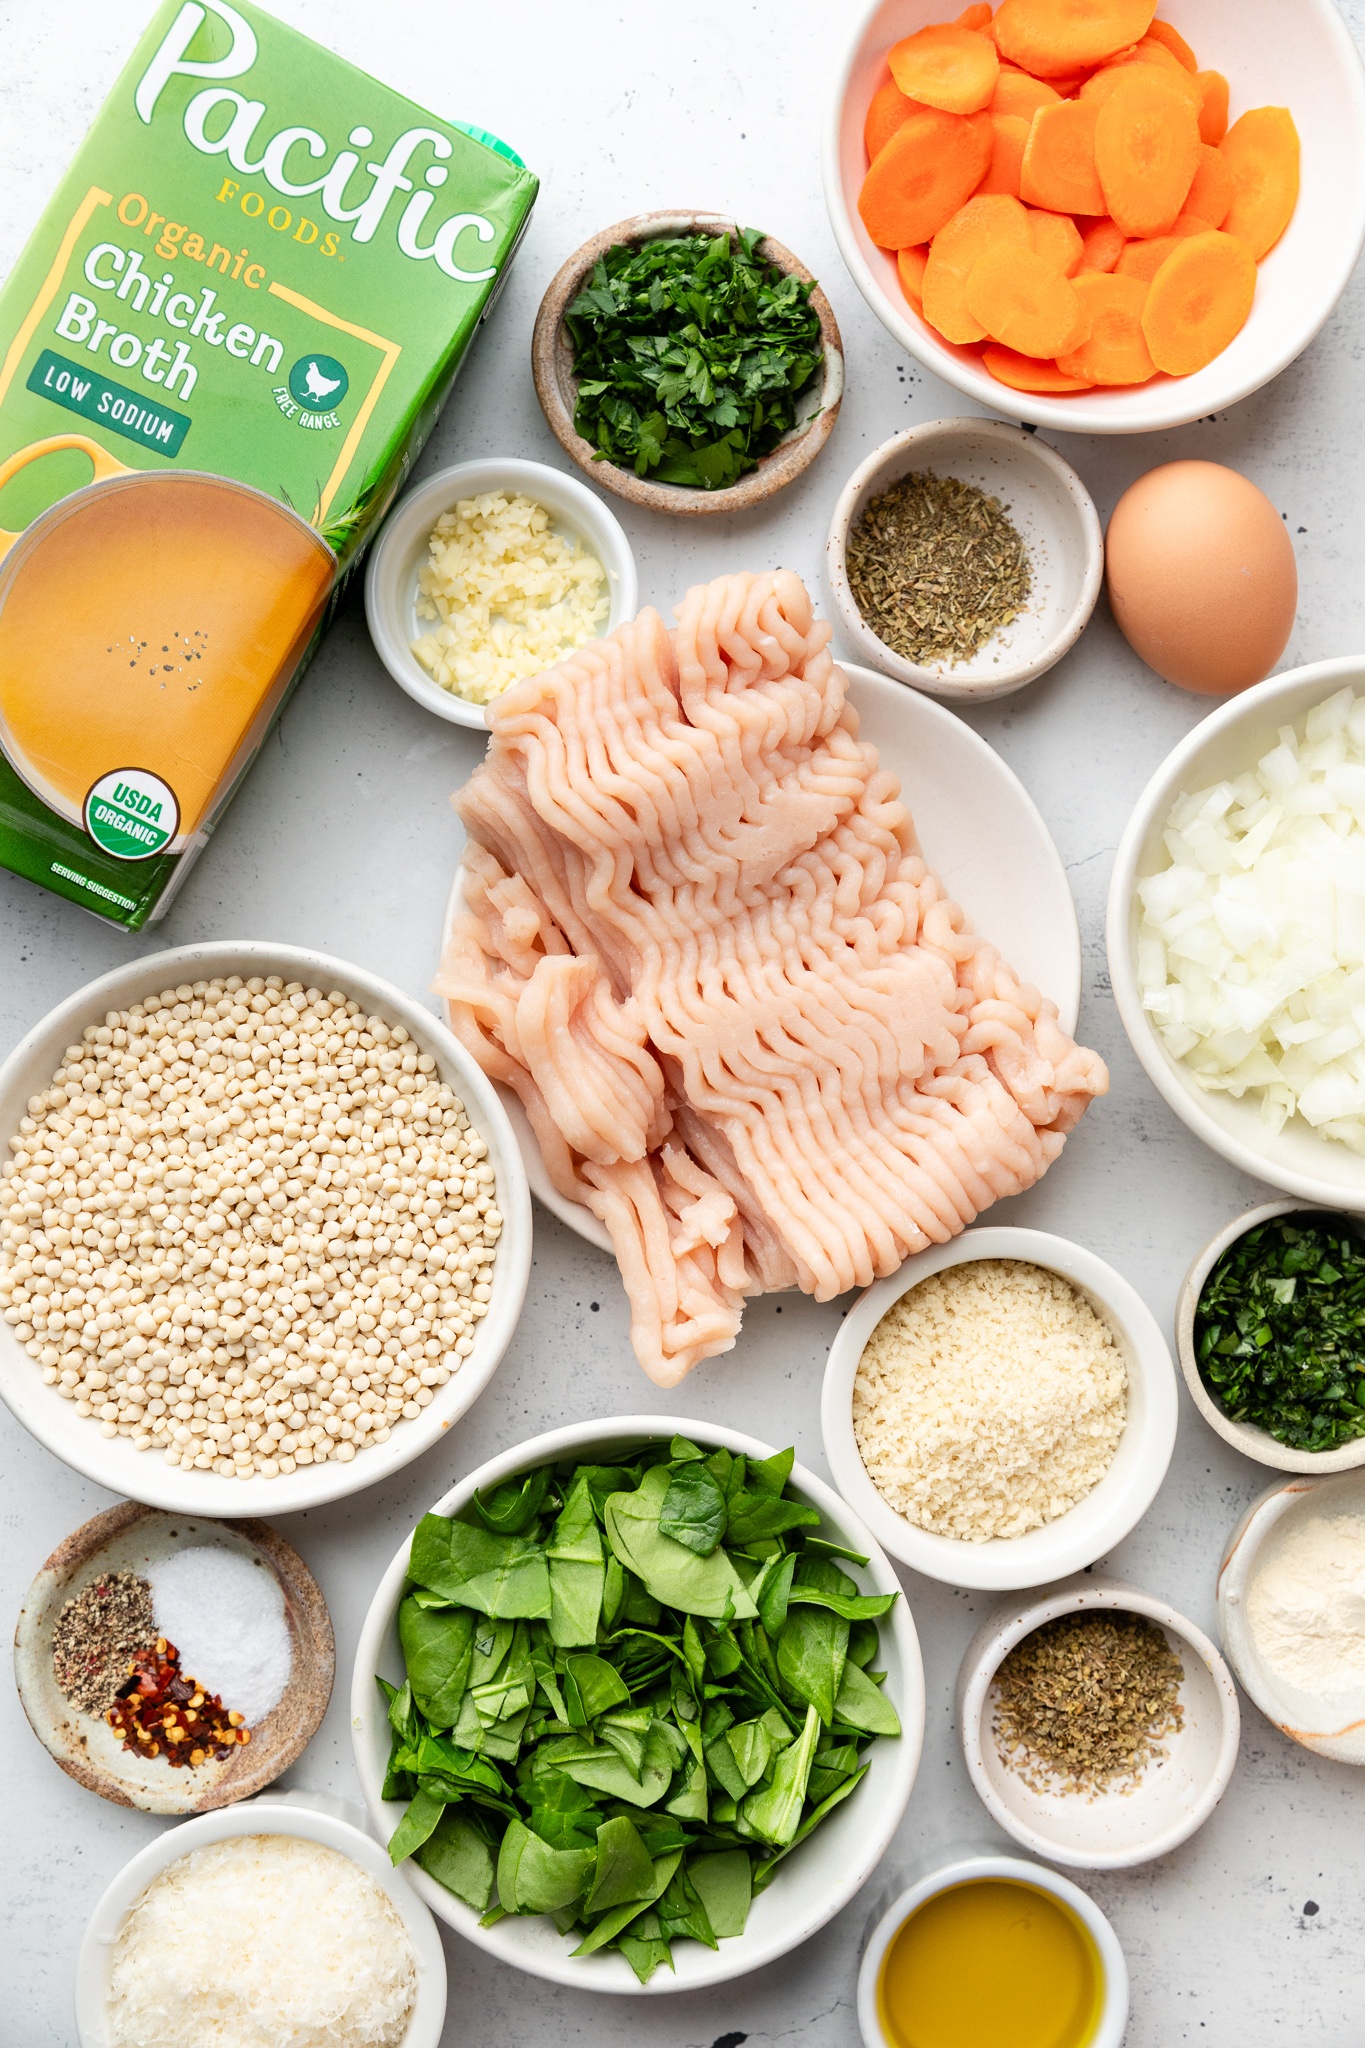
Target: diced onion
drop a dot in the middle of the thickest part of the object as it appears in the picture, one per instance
(1251, 949)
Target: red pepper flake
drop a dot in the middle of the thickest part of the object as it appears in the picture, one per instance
(161, 1712)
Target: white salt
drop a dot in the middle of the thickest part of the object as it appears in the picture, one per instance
(225, 1615)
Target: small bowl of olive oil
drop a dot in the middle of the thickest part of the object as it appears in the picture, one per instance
(991, 1949)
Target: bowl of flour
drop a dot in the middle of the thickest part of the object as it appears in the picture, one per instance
(1291, 1610)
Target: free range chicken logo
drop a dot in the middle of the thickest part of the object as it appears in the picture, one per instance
(318, 383)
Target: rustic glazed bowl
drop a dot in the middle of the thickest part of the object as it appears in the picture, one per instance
(1245, 1436)
(129, 1538)
(557, 386)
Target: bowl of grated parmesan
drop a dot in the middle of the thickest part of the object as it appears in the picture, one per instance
(278, 1920)
(490, 572)
(1001, 1411)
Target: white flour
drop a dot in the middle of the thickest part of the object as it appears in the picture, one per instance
(1306, 1605)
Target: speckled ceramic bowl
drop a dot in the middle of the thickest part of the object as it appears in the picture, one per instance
(129, 1538)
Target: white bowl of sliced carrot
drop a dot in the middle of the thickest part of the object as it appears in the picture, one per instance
(1090, 217)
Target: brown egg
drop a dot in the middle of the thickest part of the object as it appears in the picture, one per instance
(1202, 576)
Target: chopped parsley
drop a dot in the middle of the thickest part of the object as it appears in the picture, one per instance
(693, 355)
(1279, 1331)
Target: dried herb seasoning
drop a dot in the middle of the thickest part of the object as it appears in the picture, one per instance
(98, 1633)
(937, 568)
(693, 354)
(1088, 1699)
(1279, 1331)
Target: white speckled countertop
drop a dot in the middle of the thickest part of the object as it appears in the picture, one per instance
(342, 839)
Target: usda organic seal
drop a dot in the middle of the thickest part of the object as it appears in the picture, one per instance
(132, 813)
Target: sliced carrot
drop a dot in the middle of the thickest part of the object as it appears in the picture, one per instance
(919, 178)
(1146, 151)
(1057, 239)
(1210, 196)
(1151, 50)
(1023, 301)
(1025, 373)
(1262, 153)
(954, 69)
(1213, 106)
(1198, 302)
(884, 116)
(978, 17)
(1102, 83)
(1053, 38)
(910, 265)
(987, 222)
(1010, 139)
(1017, 93)
(1068, 84)
(1162, 32)
(1115, 351)
(1058, 171)
(1142, 260)
(1102, 245)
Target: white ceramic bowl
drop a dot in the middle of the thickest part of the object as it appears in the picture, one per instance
(308, 1816)
(1095, 1524)
(812, 1886)
(1054, 515)
(1245, 1436)
(1228, 742)
(1333, 1728)
(1113, 1830)
(401, 552)
(975, 1867)
(143, 1475)
(983, 836)
(1294, 53)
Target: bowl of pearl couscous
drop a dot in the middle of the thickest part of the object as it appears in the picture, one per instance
(264, 1230)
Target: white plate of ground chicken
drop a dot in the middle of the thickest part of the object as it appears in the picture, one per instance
(982, 834)
(1002, 1411)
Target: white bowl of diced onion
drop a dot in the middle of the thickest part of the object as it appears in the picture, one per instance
(313, 1817)
(1281, 740)
(577, 515)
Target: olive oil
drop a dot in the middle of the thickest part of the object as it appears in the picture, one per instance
(991, 1964)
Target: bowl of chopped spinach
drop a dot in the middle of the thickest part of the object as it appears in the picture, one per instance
(687, 364)
(638, 1706)
(1270, 1330)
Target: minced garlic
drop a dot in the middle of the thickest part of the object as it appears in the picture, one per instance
(512, 596)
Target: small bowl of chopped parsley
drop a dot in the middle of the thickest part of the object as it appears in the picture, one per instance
(687, 364)
(1270, 1328)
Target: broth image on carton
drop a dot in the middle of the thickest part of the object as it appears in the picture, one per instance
(220, 352)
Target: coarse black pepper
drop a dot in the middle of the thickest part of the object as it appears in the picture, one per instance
(1088, 1699)
(937, 568)
(98, 1633)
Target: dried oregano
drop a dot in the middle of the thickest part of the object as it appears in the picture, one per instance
(1087, 1700)
(937, 569)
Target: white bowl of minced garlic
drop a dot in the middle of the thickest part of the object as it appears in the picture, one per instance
(488, 573)
(1001, 1411)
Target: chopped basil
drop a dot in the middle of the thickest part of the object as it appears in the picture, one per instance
(1279, 1330)
(615, 1712)
(693, 355)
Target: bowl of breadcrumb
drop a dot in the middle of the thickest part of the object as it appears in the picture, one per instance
(265, 1232)
(1001, 1411)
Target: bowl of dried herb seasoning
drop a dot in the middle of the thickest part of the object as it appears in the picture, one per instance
(687, 364)
(639, 1705)
(1270, 1331)
(1099, 1726)
(965, 558)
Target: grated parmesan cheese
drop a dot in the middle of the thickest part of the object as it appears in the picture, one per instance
(262, 1941)
(512, 597)
(989, 1400)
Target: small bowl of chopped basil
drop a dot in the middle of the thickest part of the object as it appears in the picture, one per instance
(1270, 1331)
(638, 1706)
(965, 558)
(687, 364)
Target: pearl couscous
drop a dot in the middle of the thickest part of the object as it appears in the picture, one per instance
(248, 1226)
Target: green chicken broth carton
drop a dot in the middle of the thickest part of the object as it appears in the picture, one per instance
(219, 354)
